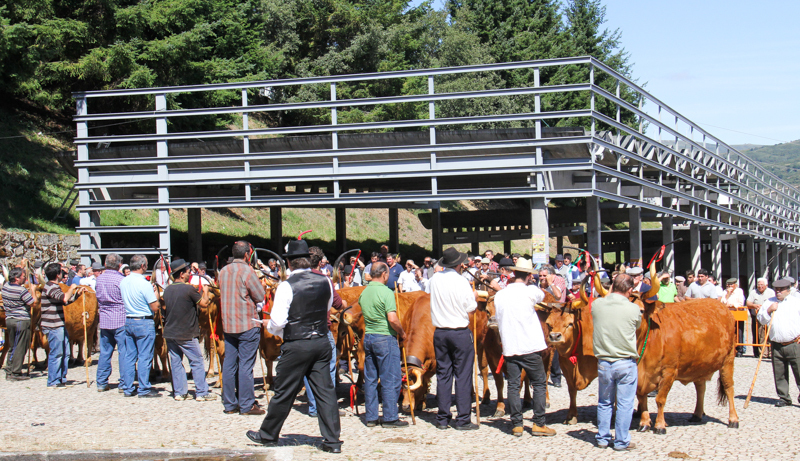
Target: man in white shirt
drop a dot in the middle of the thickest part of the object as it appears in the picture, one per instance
(91, 279)
(199, 277)
(160, 273)
(523, 341)
(756, 298)
(702, 288)
(452, 299)
(782, 313)
(407, 281)
(733, 297)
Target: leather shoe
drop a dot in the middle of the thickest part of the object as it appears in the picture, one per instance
(329, 449)
(255, 411)
(255, 436)
(102, 389)
(230, 412)
(467, 427)
(442, 426)
(395, 424)
(150, 395)
(372, 423)
(783, 403)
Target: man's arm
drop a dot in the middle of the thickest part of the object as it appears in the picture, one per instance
(394, 321)
(555, 289)
(279, 315)
(765, 312)
(204, 301)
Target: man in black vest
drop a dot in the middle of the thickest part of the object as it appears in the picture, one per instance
(300, 316)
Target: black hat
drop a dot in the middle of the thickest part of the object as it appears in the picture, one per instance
(559, 257)
(505, 262)
(74, 262)
(452, 258)
(296, 249)
(97, 267)
(178, 265)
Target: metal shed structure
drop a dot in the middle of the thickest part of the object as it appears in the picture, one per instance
(661, 167)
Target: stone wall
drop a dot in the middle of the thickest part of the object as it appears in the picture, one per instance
(14, 246)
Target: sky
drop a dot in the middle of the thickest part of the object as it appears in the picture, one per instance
(732, 67)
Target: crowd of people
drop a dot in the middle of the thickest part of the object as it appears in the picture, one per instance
(129, 304)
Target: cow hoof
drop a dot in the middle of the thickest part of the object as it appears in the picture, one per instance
(572, 421)
(499, 413)
(695, 419)
(643, 428)
(733, 425)
(658, 431)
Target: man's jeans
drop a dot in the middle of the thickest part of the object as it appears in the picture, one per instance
(312, 402)
(57, 358)
(241, 350)
(109, 338)
(615, 379)
(190, 348)
(140, 336)
(382, 360)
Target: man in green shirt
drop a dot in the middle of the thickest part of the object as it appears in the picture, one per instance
(382, 353)
(667, 291)
(615, 321)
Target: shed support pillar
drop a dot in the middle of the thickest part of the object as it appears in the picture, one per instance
(276, 228)
(761, 260)
(195, 234)
(772, 252)
(750, 264)
(784, 261)
(694, 246)
(733, 253)
(635, 225)
(540, 226)
(436, 231)
(594, 244)
(666, 237)
(341, 230)
(394, 228)
(476, 248)
(716, 254)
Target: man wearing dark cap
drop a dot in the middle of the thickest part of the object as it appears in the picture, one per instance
(300, 317)
(452, 299)
(182, 330)
(240, 291)
(783, 314)
(733, 297)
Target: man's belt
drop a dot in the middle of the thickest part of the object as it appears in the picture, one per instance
(795, 340)
(148, 317)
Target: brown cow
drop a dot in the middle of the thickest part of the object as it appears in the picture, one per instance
(686, 342)
(419, 347)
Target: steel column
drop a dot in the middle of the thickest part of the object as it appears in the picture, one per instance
(716, 254)
(394, 228)
(635, 226)
(593, 225)
(733, 255)
(195, 234)
(667, 236)
(341, 230)
(276, 228)
(750, 264)
(436, 231)
(540, 227)
(762, 269)
(694, 246)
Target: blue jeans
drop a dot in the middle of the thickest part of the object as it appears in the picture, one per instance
(382, 360)
(616, 380)
(241, 349)
(57, 358)
(109, 338)
(312, 402)
(140, 336)
(190, 348)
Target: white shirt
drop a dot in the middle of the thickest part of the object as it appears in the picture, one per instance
(786, 324)
(162, 278)
(280, 309)
(452, 299)
(89, 281)
(736, 299)
(515, 309)
(795, 293)
(197, 280)
(721, 291)
(760, 298)
(409, 281)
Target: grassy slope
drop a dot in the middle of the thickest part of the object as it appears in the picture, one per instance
(781, 159)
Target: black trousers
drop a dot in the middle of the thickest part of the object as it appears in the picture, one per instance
(19, 337)
(757, 330)
(555, 369)
(454, 358)
(785, 360)
(534, 367)
(308, 358)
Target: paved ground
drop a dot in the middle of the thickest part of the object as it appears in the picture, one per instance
(38, 419)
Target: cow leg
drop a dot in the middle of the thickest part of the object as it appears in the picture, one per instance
(700, 387)
(499, 382)
(664, 387)
(644, 415)
(725, 389)
(572, 413)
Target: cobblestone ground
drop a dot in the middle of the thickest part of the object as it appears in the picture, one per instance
(38, 419)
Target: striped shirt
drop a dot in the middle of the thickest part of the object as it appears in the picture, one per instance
(16, 301)
(52, 306)
(240, 290)
(109, 300)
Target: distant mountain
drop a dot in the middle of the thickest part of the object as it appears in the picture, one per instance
(781, 159)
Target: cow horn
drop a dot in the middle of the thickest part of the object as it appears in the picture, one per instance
(279, 259)
(336, 276)
(417, 373)
(599, 286)
(584, 296)
(654, 288)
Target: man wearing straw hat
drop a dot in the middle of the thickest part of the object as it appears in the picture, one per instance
(300, 317)
(382, 355)
(523, 343)
(782, 314)
(452, 299)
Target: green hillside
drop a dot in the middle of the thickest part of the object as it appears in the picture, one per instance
(781, 159)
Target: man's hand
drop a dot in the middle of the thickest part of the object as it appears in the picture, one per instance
(772, 308)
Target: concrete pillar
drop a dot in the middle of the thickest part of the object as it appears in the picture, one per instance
(593, 227)
(476, 248)
(341, 230)
(560, 245)
(195, 237)
(733, 255)
(716, 254)
(540, 231)
(394, 228)
(635, 220)
(761, 260)
(507, 246)
(668, 262)
(276, 228)
(773, 262)
(750, 264)
(436, 231)
(784, 261)
(694, 246)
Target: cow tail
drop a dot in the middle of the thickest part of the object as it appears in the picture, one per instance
(722, 396)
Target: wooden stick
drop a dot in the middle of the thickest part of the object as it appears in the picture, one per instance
(86, 359)
(405, 362)
(761, 357)
(475, 362)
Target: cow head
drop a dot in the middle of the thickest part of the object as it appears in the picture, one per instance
(420, 355)
(562, 322)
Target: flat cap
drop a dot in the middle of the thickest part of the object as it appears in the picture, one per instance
(680, 278)
(790, 279)
(559, 257)
(97, 267)
(731, 281)
(782, 283)
(485, 261)
(634, 271)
